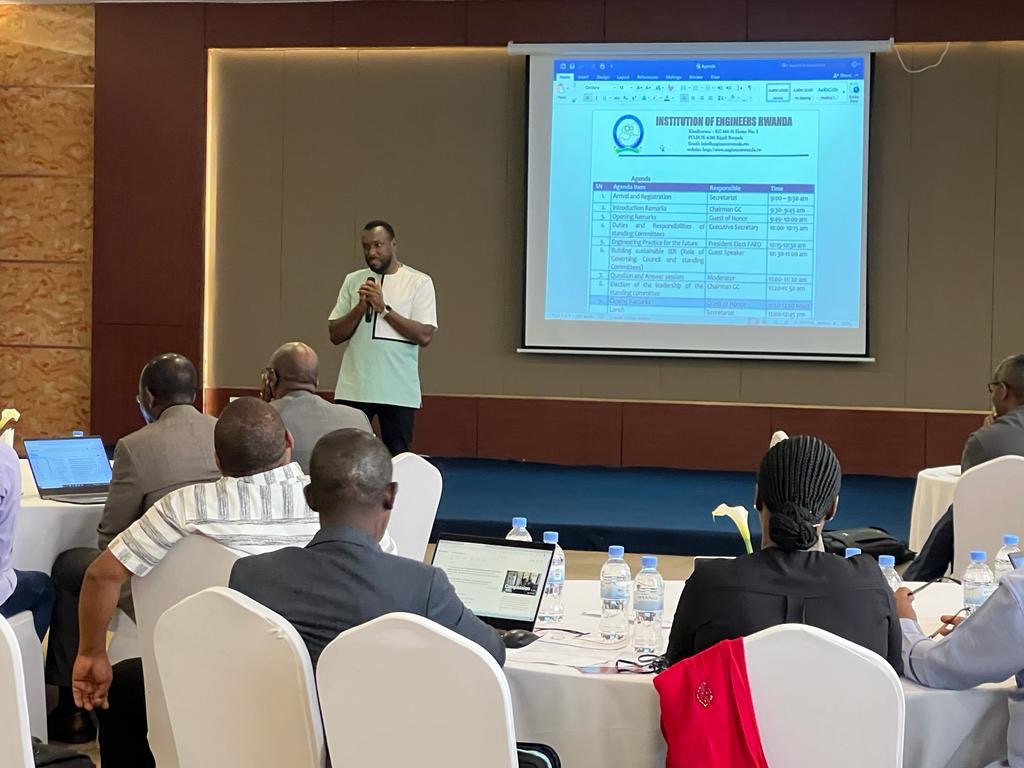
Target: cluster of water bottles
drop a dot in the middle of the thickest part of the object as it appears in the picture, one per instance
(979, 580)
(618, 589)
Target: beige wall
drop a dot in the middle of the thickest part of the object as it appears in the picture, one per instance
(46, 142)
(307, 145)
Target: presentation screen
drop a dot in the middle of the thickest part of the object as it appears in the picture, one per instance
(699, 206)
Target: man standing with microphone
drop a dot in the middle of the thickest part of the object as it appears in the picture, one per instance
(386, 313)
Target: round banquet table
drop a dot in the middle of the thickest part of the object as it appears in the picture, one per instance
(608, 720)
(932, 496)
(44, 529)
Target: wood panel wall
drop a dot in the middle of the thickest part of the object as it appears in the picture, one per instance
(46, 200)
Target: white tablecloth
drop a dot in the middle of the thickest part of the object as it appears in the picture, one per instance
(932, 496)
(607, 721)
(44, 529)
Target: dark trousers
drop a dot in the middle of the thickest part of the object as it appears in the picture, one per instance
(68, 574)
(123, 728)
(397, 423)
(33, 592)
(936, 555)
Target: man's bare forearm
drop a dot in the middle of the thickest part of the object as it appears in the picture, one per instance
(341, 330)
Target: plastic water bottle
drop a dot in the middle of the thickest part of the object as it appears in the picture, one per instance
(888, 565)
(648, 606)
(519, 532)
(852, 551)
(551, 609)
(1002, 565)
(616, 580)
(978, 582)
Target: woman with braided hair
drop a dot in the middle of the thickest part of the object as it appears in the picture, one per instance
(791, 579)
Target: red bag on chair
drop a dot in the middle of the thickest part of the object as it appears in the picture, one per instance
(707, 715)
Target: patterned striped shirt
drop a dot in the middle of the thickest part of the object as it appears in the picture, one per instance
(254, 514)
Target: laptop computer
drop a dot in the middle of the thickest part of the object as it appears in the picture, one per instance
(501, 581)
(70, 469)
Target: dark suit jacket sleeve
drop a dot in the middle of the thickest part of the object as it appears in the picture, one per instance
(124, 500)
(974, 453)
(681, 638)
(445, 607)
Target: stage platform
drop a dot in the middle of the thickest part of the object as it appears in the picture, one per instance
(657, 511)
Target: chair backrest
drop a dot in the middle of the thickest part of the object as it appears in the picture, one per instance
(989, 502)
(31, 651)
(419, 494)
(195, 563)
(402, 690)
(15, 739)
(238, 684)
(809, 687)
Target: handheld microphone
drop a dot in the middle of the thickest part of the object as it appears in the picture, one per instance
(369, 308)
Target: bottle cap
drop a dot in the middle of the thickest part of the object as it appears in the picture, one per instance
(615, 551)
(887, 561)
(77, 433)
(649, 561)
(518, 522)
(978, 556)
(1011, 540)
(851, 551)
(550, 537)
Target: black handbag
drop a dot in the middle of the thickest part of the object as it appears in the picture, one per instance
(46, 755)
(872, 541)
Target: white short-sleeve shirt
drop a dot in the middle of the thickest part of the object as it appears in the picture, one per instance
(379, 365)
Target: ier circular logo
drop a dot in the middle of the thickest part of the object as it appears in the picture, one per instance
(627, 133)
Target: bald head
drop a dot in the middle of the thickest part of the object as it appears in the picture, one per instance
(168, 379)
(250, 438)
(293, 367)
(350, 481)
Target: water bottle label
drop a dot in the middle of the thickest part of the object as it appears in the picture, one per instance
(649, 606)
(614, 591)
(556, 576)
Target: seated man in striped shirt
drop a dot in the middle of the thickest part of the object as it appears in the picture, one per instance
(257, 506)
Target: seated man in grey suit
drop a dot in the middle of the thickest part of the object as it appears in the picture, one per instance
(289, 384)
(1001, 435)
(342, 578)
(174, 449)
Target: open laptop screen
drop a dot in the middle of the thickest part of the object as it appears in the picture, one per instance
(501, 581)
(68, 463)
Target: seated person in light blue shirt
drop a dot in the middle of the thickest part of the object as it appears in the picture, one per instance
(988, 647)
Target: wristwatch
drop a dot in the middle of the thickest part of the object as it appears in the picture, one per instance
(387, 310)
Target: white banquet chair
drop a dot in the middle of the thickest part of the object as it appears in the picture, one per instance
(15, 738)
(238, 684)
(988, 502)
(808, 686)
(193, 564)
(419, 494)
(31, 653)
(449, 696)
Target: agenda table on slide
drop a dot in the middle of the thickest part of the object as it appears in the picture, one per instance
(694, 252)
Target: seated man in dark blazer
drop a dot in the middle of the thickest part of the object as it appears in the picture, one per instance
(791, 579)
(342, 579)
(1001, 435)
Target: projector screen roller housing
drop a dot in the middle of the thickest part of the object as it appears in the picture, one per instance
(706, 206)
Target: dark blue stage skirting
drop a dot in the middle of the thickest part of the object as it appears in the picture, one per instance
(661, 511)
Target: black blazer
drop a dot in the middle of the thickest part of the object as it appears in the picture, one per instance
(342, 579)
(726, 599)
